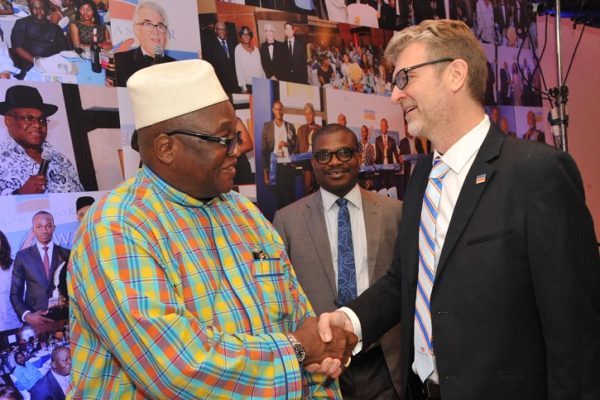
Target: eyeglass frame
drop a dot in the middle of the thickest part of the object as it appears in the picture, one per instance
(150, 27)
(224, 141)
(30, 119)
(407, 69)
(331, 153)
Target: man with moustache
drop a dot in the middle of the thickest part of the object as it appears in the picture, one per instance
(336, 261)
(180, 288)
(151, 31)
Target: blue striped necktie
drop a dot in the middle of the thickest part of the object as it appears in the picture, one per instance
(346, 267)
(422, 332)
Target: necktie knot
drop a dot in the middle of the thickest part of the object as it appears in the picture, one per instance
(439, 169)
(45, 248)
(342, 202)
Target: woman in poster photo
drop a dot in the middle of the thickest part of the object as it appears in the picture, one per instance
(247, 60)
(8, 318)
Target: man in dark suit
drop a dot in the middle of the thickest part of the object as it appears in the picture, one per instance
(504, 83)
(386, 15)
(410, 145)
(272, 54)
(309, 229)
(33, 272)
(502, 19)
(497, 282)
(296, 55)
(385, 153)
(150, 28)
(279, 138)
(53, 385)
(219, 51)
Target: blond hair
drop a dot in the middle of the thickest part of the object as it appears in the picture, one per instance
(446, 39)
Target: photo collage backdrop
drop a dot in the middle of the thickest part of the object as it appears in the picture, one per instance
(305, 63)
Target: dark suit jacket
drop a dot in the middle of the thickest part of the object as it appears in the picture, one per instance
(268, 140)
(131, 61)
(504, 81)
(276, 66)
(391, 150)
(303, 230)
(296, 65)
(47, 388)
(29, 269)
(515, 306)
(500, 18)
(213, 52)
(404, 148)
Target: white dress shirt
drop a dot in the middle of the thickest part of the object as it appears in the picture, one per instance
(459, 158)
(63, 381)
(359, 233)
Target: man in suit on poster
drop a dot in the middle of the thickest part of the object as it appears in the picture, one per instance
(385, 153)
(53, 385)
(33, 272)
(309, 229)
(272, 54)
(220, 52)
(497, 283)
(279, 138)
(296, 55)
(151, 31)
(410, 145)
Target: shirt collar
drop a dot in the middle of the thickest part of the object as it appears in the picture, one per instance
(353, 197)
(457, 156)
(170, 193)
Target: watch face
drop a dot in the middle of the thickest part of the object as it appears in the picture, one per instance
(300, 352)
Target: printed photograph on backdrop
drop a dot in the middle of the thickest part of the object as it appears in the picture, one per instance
(306, 7)
(152, 32)
(530, 123)
(504, 118)
(36, 233)
(36, 149)
(55, 41)
(347, 57)
(520, 80)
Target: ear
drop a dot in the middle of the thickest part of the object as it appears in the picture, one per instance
(164, 147)
(458, 71)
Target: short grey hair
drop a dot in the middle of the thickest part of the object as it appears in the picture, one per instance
(151, 6)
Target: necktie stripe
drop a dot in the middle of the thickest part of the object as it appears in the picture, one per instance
(426, 277)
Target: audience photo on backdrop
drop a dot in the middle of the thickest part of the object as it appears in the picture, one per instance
(25, 373)
(484, 213)
(8, 317)
(88, 27)
(53, 385)
(279, 141)
(35, 36)
(247, 60)
(36, 275)
(340, 240)
(151, 31)
(249, 333)
(29, 163)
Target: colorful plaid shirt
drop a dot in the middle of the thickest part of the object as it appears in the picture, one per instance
(169, 302)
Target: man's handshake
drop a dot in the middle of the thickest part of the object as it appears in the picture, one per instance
(328, 343)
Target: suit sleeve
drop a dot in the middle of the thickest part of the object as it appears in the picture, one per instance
(565, 270)
(266, 151)
(17, 287)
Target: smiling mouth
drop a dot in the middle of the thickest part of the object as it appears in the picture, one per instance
(336, 172)
(409, 109)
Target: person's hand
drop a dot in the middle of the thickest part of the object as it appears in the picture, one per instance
(35, 184)
(329, 321)
(37, 318)
(339, 346)
(282, 144)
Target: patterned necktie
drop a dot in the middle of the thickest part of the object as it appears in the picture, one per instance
(422, 331)
(46, 261)
(346, 268)
(224, 45)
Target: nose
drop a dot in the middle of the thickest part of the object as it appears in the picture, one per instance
(397, 95)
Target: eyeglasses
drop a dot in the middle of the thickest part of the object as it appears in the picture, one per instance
(342, 154)
(30, 119)
(231, 143)
(149, 27)
(401, 78)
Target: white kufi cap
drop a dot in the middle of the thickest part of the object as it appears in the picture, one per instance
(164, 91)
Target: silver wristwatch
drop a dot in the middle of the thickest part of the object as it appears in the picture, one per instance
(298, 348)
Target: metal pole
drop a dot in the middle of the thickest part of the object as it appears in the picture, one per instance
(560, 100)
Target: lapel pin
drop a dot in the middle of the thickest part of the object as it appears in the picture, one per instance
(480, 179)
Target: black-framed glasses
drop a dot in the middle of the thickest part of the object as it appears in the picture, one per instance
(149, 27)
(342, 154)
(30, 119)
(401, 78)
(231, 142)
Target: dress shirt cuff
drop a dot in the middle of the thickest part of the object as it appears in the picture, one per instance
(24, 315)
(355, 327)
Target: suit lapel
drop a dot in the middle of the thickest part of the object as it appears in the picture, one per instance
(315, 224)
(373, 224)
(471, 192)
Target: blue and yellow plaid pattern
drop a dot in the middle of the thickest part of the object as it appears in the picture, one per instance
(167, 301)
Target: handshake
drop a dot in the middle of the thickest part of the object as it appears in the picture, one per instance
(328, 342)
